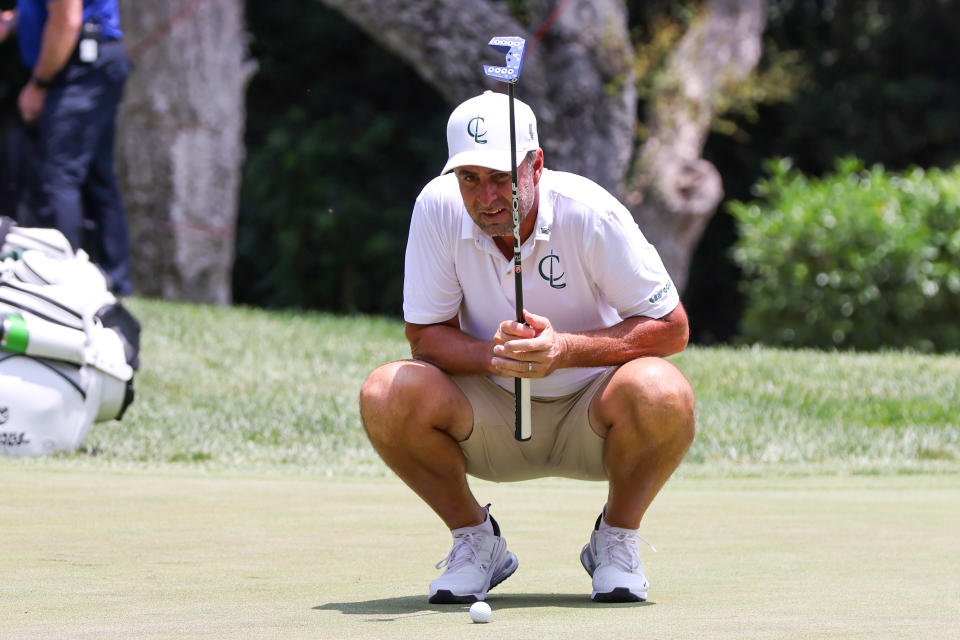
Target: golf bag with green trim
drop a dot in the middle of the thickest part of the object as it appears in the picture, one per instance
(68, 347)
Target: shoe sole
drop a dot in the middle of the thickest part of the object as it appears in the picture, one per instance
(620, 594)
(444, 596)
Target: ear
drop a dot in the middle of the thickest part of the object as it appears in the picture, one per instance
(537, 166)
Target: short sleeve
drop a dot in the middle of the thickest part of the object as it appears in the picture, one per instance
(431, 289)
(627, 268)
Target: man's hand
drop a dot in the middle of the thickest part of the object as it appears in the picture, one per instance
(7, 24)
(531, 350)
(31, 102)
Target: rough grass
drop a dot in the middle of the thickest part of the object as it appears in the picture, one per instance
(251, 389)
(817, 411)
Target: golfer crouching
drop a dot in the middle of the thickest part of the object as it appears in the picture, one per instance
(601, 315)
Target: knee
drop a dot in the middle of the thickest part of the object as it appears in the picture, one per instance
(379, 394)
(660, 397)
(390, 399)
(667, 386)
(376, 389)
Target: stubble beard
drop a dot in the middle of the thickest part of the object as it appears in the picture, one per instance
(505, 229)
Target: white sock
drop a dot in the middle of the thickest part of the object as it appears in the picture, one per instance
(486, 526)
(605, 525)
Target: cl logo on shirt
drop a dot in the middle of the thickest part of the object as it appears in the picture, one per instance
(473, 130)
(554, 280)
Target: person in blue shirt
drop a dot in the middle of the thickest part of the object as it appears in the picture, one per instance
(78, 66)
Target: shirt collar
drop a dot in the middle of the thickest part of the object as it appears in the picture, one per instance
(545, 208)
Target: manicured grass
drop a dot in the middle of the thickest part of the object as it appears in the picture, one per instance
(250, 389)
(182, 553)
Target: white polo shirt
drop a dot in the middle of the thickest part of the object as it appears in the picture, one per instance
(586, 266)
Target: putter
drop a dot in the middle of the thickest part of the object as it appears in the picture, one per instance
(512, 48)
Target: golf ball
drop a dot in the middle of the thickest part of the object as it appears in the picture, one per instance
(480, 612)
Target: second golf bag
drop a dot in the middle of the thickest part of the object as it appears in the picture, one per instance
(68, 347)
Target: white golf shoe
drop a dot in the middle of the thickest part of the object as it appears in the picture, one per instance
(612, 558)
(478, 561)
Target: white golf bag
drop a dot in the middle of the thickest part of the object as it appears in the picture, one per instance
(68, 348)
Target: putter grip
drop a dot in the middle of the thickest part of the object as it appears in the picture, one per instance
(523, 429)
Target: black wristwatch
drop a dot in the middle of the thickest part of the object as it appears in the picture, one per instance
(43, 84)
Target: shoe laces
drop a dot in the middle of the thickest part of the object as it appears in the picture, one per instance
(622, 548)
(464, 551)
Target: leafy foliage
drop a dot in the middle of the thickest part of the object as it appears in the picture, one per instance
(342, 136)
(862, 258)
(879, 85)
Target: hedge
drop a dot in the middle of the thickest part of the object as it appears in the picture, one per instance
(858, 259)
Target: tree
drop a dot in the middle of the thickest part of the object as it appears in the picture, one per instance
(180, 143)
(579, 77)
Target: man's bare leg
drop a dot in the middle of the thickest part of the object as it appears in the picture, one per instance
(414, 416)
(646, 413)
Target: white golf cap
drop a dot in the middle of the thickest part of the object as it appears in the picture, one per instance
(478, 132)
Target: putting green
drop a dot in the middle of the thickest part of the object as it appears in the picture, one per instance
(163, 554)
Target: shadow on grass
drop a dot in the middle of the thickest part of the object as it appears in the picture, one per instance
(414, 606)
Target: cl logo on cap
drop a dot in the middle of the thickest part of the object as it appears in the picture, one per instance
(473, 130)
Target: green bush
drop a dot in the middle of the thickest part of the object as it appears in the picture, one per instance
(859, 259)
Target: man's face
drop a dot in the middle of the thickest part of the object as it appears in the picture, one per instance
(488, 197)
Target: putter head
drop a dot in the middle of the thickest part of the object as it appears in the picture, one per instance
(512, 47)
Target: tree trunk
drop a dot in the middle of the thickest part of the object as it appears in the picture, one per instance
(578, 77)
(180, 144)
(673, 191)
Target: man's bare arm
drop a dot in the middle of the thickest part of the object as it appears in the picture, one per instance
(60, 35)
(633, 338)
(448, 347)
(516, 345)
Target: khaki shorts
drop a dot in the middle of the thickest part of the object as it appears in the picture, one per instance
(563, 442)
